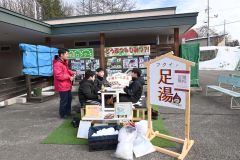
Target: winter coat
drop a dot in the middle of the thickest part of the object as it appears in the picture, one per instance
(87, 90)
(62, 75)
(99, 81)
(134, 90)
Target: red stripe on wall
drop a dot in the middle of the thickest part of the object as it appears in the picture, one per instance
(184, 90)
(182, 71)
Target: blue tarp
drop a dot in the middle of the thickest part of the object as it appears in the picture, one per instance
(37, 59)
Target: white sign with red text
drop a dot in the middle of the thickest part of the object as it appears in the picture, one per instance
(169, 82)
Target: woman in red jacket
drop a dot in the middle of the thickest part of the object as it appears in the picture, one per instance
(63, 78)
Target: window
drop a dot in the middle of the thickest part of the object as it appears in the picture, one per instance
(80, 44)
(208, 55)
(94, 43)
(5, 48)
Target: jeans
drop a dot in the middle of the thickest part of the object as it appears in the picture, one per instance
(65, 103)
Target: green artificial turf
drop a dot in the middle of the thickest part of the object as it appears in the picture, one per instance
(66, 134)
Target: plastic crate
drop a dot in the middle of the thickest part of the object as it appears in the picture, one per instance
(101, 143)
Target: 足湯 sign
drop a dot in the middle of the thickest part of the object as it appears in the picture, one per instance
(169, 81)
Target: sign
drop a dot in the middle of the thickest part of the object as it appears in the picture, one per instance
(81, 53)
(169, 82)
(119, 80)
(83, 129)
(127, 51)
(123, 110)
(93, 111)
(77, 64)
(169, 86)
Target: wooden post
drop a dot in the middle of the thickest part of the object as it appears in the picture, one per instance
(102, 46)
(176, 41)
(149, 106)
(29, 87)
(187, 117)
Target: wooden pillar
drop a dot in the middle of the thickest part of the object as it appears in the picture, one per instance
(176, 41)
(29, 87)
(48, 41)
(102, 46)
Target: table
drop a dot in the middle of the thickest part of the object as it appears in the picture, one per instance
(101, 118)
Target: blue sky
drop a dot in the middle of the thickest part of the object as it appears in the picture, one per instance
(225, 9)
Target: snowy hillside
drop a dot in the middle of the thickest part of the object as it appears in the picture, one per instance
(227, 58)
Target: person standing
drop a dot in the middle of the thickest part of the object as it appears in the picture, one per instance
(63, 78)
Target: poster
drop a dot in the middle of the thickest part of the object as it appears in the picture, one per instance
(127, 51)
(169, 82)
(114, 63)
(130, 63)
(123, 110)
(93, 111)
(92, 64)
(77, 65)
(113, 71)
(142, 60)
(144, 74)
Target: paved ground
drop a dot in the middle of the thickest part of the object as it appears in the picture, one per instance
(214, 127)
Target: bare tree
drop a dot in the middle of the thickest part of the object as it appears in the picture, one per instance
(30, 8)
(67, 8)
(35, 8)
(202, 31)
(88, 7)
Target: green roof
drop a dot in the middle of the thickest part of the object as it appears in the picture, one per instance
(173, 20)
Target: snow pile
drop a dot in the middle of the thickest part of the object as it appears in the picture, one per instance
(105, 132)
(227, 58)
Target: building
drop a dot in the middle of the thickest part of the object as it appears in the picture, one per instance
(192, 36)
(160, 28)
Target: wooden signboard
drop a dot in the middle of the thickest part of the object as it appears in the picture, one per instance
(168, 80)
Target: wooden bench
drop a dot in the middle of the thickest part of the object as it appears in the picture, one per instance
(138, 112)
(234, 83)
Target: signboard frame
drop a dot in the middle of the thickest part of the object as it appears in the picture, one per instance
(187, 143)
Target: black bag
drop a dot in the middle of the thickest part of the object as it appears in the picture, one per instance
(75, 122)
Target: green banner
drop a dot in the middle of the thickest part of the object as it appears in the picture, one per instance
(191, 52)
(81, 53)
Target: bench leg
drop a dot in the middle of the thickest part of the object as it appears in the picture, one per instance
(206, 91)
(236, 102)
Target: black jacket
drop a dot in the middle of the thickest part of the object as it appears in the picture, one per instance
(134, 91)
(87, 90)
(99, 81)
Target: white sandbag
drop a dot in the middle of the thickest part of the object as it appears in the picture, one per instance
(142, 127)
(142, 146)
(126, 137)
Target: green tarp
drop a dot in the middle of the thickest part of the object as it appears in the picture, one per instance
(191, 52)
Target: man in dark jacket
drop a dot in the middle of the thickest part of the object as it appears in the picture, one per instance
(134, 91)
(87, 91)
(99, 80)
